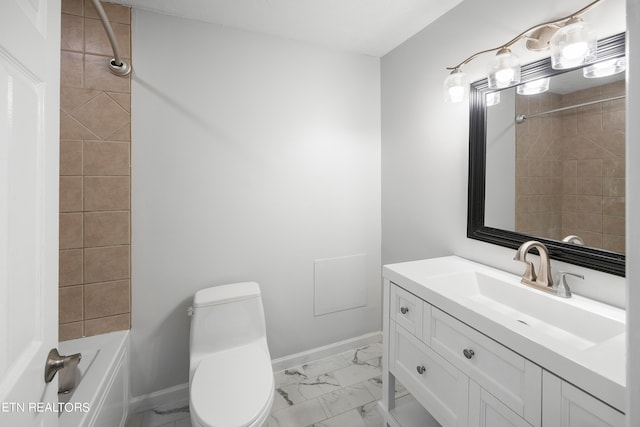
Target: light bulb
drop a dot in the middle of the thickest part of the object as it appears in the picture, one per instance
(456, 86)
(605, 68)
(504, 70)
(505, 76)
(575, 51)
(534, 87)
(456, 93)
(573, 45)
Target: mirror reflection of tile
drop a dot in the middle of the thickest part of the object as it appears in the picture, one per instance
(570, 165)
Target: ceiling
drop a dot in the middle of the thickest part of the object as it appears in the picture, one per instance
(370, 27)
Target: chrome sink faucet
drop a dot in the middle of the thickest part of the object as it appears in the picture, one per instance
(543, 279)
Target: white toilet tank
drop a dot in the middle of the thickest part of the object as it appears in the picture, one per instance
(224, 317)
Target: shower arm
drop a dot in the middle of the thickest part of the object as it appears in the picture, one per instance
(117, 65)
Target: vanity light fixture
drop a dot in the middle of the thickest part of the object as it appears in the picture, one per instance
(533, 87)
(605, 68)
(571, 41)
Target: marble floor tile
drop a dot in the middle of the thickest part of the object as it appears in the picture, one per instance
(363, 354)
(374, 385)
(348, 419)
(325, 365)
(357, 373)
(303, 414)
(319, 385)
(289, 376)
(153, 419)
(371, 415)
(287, 395)
(337, 391)
(345, 399)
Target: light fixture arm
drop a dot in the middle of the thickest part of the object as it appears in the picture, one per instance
(556, 22)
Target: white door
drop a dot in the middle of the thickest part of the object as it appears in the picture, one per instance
(29, 147)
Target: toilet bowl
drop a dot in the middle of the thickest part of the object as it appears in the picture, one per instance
(230, 372)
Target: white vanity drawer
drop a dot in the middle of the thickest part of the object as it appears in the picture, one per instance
(406, 310)
(511, 378)
(435, 383)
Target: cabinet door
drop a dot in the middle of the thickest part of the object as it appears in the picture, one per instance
(564, 405)
(514, 380)
(487, 411)
(439, 387)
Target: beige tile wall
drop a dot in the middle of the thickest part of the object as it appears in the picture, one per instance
(594, 162)
(539, 168)
(95, 170)
(571, 181)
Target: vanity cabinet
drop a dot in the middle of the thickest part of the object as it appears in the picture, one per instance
(464, 378)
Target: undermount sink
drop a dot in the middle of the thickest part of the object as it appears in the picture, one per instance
(574, 324)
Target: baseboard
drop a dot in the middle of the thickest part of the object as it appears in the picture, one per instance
(177, 393)
(180, 392)
(298, 359)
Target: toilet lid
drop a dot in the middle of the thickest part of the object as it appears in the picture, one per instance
(233, 387)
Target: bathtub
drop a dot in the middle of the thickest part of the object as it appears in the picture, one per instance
(101, 395)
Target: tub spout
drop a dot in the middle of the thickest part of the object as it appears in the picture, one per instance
(68, 375)
(66, 365)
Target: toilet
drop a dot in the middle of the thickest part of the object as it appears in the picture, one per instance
(230, 372)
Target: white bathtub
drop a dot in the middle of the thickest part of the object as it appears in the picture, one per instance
(101, 395)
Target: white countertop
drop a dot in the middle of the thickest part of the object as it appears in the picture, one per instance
(600, 370)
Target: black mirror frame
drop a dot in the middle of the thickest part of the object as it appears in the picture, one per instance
(597, 259)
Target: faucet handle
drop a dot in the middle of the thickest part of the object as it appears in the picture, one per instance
(562, 287)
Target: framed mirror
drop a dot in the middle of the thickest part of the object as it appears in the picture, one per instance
(550, 166)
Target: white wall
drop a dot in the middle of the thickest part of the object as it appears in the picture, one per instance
(425, 141)
(252, 156)
(633, 213)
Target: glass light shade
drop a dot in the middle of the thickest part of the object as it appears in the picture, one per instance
(533, 87)
(456, 87)
(492, 98)
(573, 45)
(504, 70)
(605, 68)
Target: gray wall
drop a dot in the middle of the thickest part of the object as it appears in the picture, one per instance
(253, 157)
